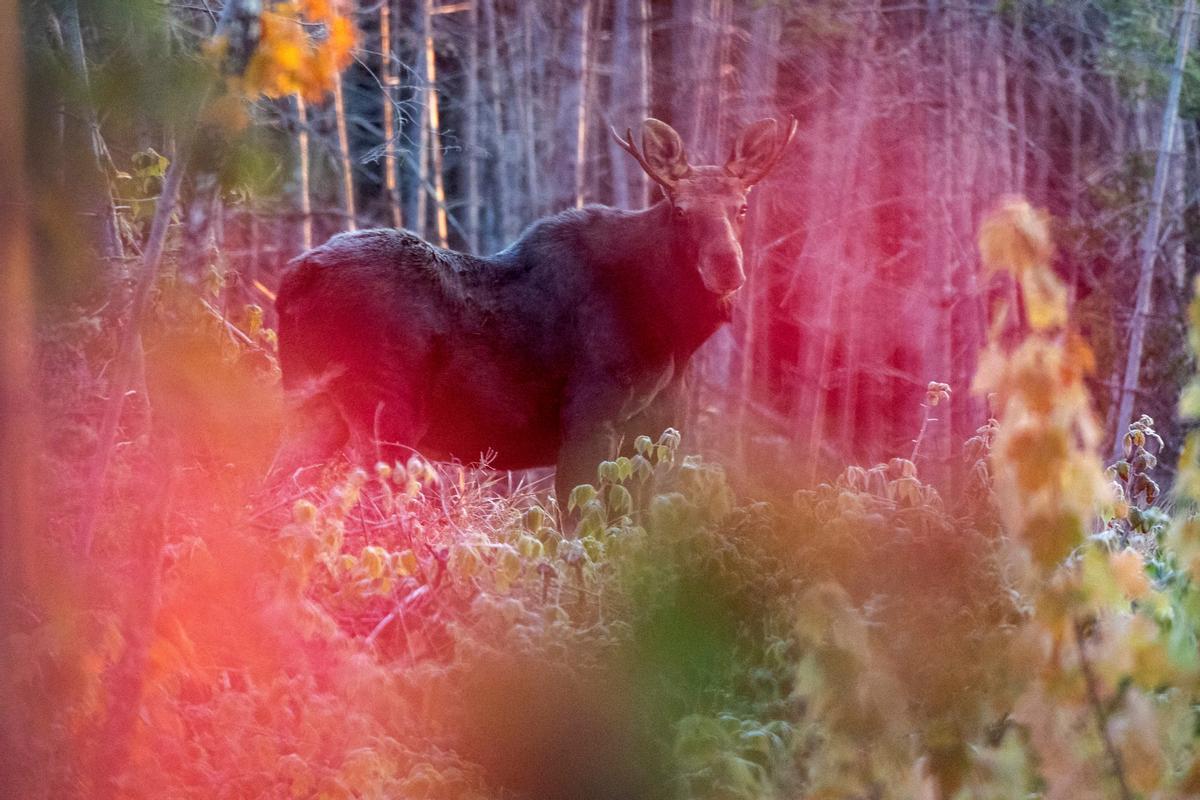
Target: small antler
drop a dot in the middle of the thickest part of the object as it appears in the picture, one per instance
(629, 147)
(777, 156)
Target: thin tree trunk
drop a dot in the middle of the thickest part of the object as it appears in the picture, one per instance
(125, 360)
(504, 188)
(643, 89)
(630, 96)
(128, 359)
(529, 131)
(1148, 245)
(758, 88)
(19, 420)
(387, 77)
(347, 167)
(619, 111)
(471, 133)
(581, 112)
(110, 235)
(1022, 144)
(435, 128)
(306, 220)
(1176, 202)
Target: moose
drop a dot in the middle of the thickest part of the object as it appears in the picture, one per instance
(547, 352)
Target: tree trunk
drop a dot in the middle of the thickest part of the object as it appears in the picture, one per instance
(387, 77)
(306, 220)
(758, 91)
(1148, 244)
(500, 151)
(1022, 133)
(583, 114)
(629, 104)
(19, 419)
(529, 129)
(96, 185)
(435, 129)
(347, 167)
(471, 133)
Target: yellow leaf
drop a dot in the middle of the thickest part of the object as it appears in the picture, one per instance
(1045, 299)
(1129, 571)
(1015, 238)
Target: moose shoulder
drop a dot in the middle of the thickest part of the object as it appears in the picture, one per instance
(540, 354)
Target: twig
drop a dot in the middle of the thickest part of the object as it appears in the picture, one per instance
(126, 361)
(1093, 694)
(921, 433)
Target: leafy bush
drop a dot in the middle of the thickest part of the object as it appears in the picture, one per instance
(416, 630)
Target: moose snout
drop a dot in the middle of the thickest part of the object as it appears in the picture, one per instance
(722, 272)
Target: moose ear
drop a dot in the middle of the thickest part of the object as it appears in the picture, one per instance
(757, 149)
(664, 152)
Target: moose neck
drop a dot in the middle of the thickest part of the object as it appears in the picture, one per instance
(659, 279)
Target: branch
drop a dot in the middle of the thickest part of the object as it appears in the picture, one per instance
(1101, 715)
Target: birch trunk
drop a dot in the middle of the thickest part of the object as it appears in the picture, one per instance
(347, 169)
(1148, 244)
(629, 105)
(306, 220)
(581, 114)
(435, 129)
(529, 128)
(471, 133)
(505, 187)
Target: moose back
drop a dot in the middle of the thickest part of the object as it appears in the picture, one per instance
(544, 353)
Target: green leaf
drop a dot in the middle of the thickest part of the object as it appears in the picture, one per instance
(581, 495)
(620, 502)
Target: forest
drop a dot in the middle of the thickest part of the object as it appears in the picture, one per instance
(922, 521)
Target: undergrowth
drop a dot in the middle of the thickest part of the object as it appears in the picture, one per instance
(411, 630)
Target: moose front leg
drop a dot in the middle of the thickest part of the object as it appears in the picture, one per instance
(579, 456)
(588, 436)
(667, 410)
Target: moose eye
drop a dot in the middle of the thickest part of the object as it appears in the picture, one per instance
(742, 211)
(680, 213)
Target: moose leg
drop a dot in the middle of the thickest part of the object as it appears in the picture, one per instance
(588, 437)
(666, 411)
(315, 431)
(578, 458)
(383, 423)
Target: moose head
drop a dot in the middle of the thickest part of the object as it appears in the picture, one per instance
(708, 203)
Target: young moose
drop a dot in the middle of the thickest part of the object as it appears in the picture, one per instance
(544, 353)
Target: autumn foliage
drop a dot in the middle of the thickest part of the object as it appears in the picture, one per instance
(414, 630)
(1023, 624)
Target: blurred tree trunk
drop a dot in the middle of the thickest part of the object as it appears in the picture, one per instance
(387, 78)
(345, 163)
(1020, 57)
(306, 219)
(433, 119)
(630, 97)
(1148, 244)
(19, 418)
(472, 137)
(95, 186)
(18, 402)
(758, 93)
(501, 152)
(529, 127)
(571, 129)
